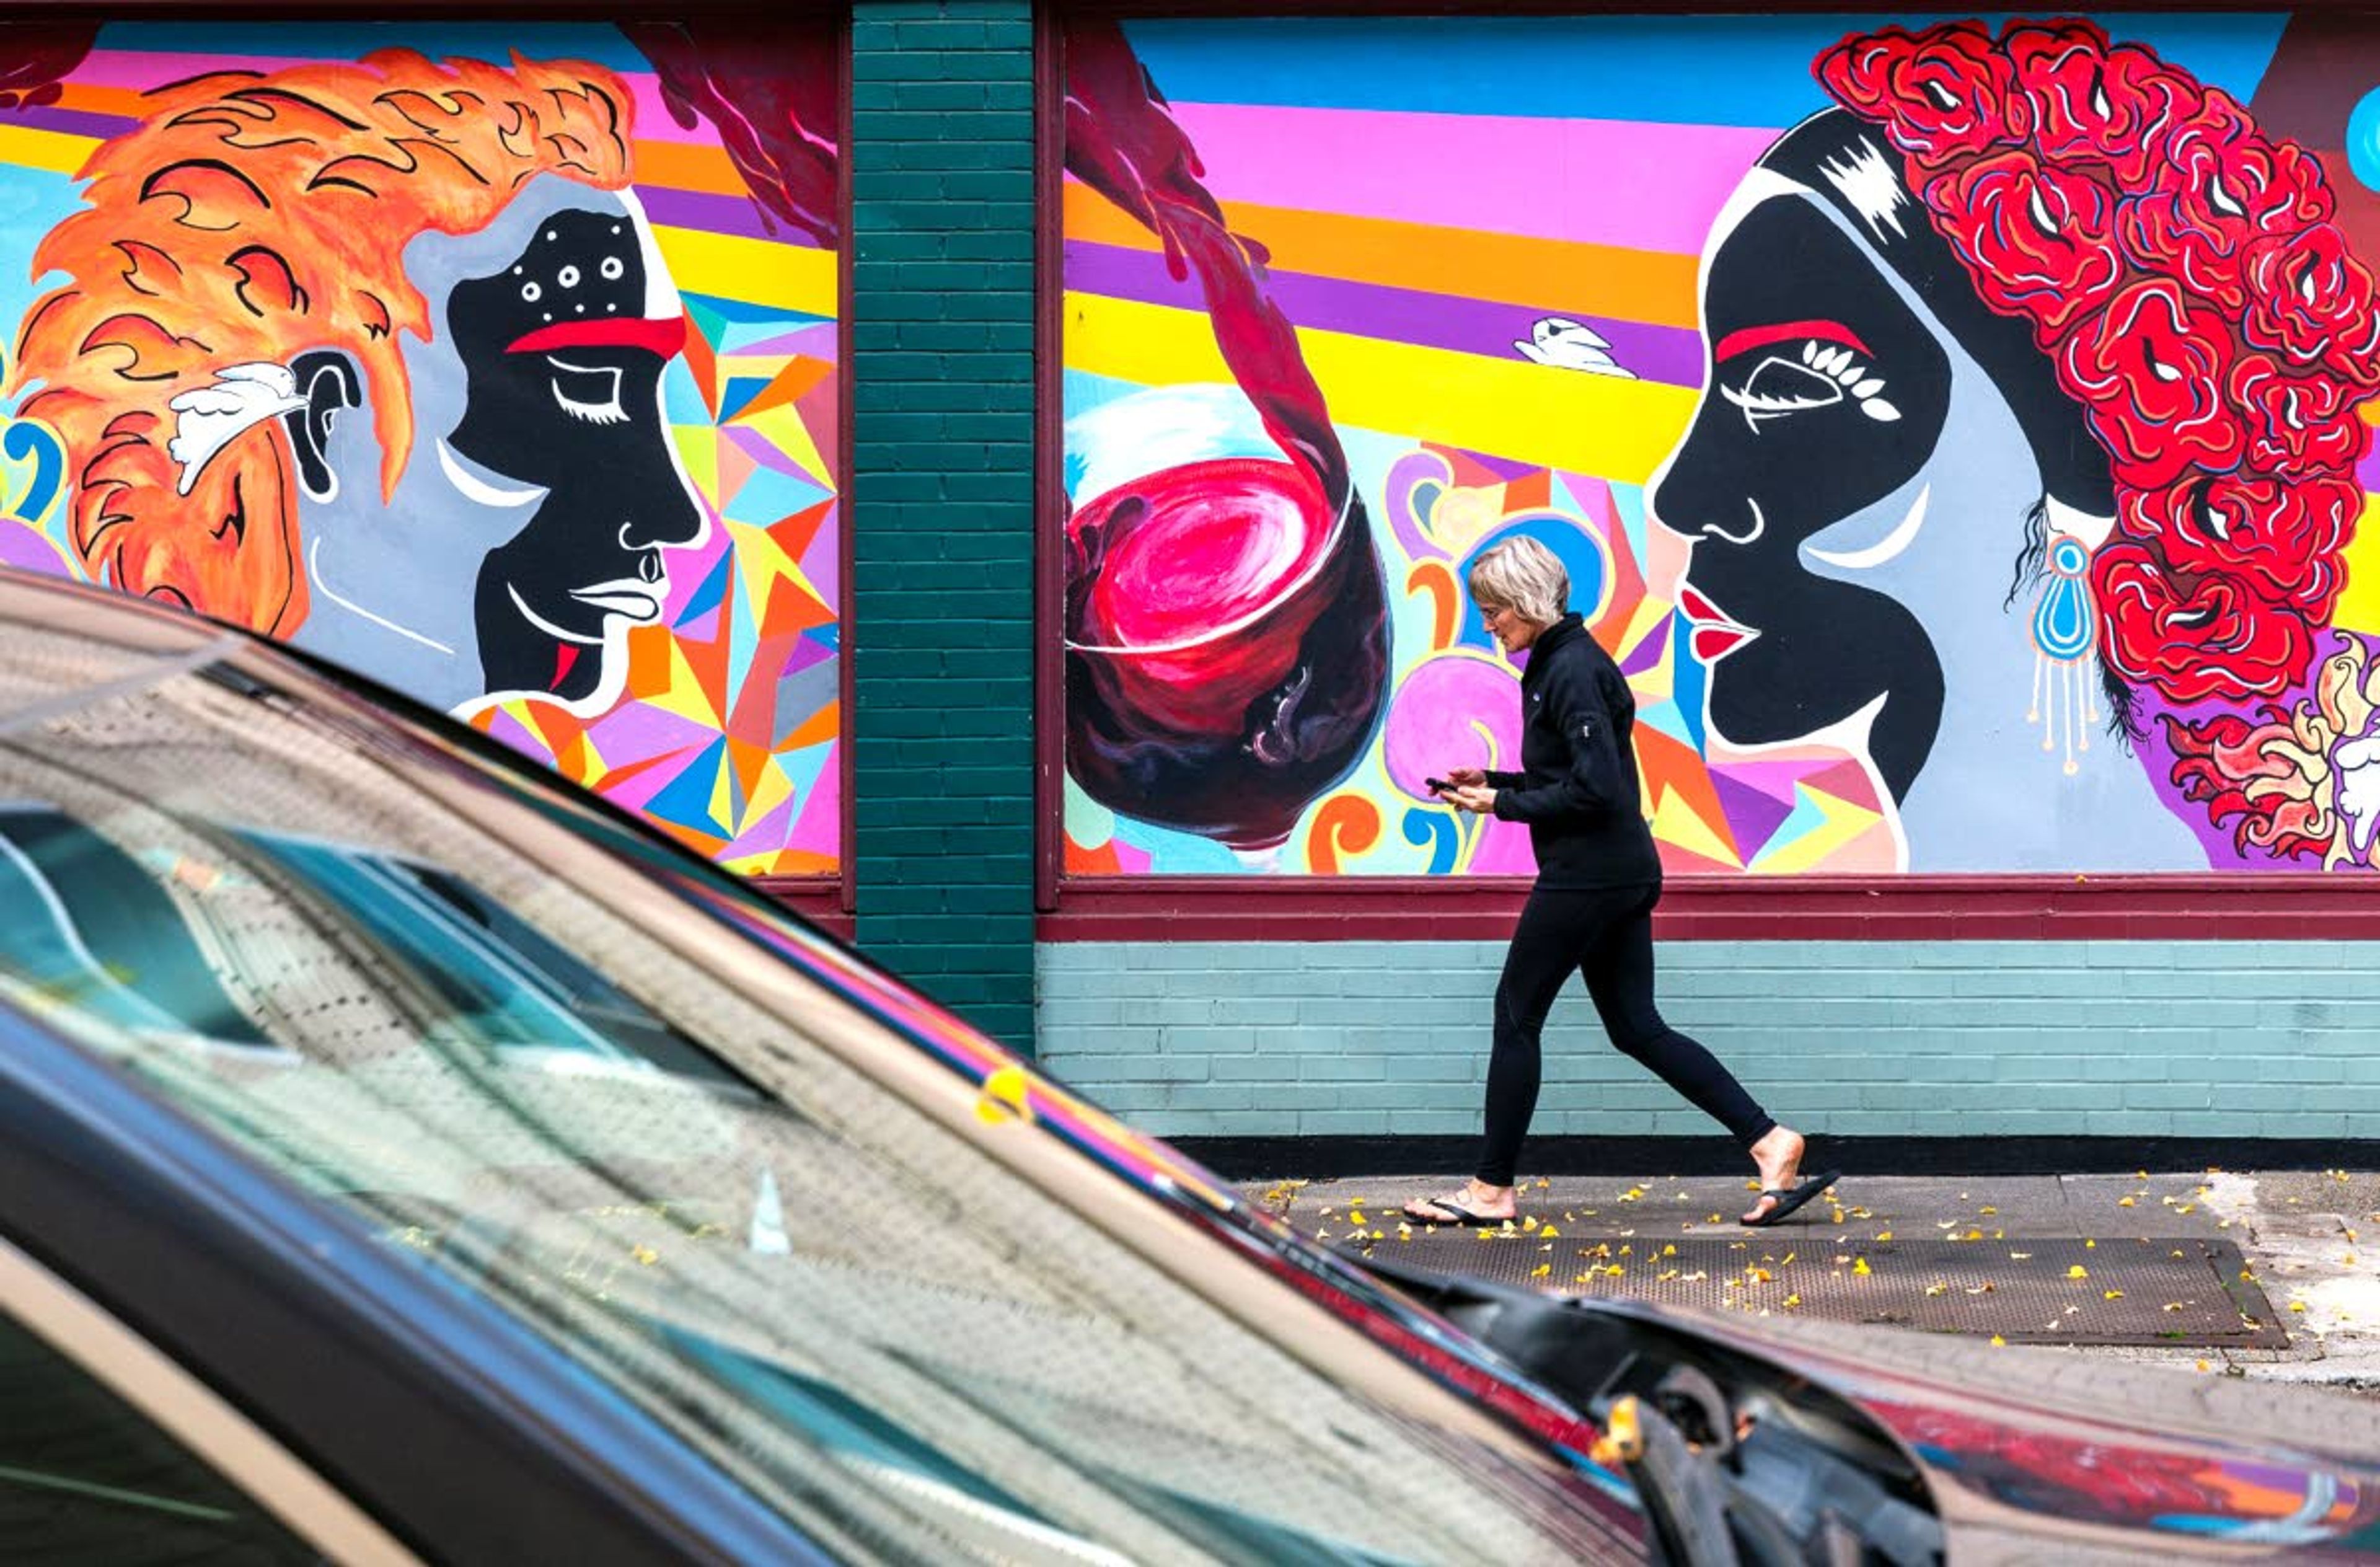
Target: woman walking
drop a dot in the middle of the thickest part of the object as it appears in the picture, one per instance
(1591, 909)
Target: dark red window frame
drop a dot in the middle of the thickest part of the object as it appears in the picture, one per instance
(2166, 906)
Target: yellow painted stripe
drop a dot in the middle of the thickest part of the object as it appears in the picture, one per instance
(2359, 601)
(1613, 429)
(52, 150)
(791, 277)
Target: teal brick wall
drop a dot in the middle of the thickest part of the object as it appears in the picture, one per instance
(1860, 1039)
(941, 341)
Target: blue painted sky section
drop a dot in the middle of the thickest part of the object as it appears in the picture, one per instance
(1735, 70)
(598, 42)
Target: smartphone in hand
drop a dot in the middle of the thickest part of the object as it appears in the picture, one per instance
(1438, 785)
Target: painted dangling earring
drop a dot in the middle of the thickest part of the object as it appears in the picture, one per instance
(2065, 629)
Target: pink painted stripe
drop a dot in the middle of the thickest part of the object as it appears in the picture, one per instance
(1597, 182)
(139, 70)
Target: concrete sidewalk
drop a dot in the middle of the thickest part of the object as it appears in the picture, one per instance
(2311, 1240)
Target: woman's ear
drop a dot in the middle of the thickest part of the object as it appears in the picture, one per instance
(327, 381)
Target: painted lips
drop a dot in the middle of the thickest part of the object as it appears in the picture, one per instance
(1714, 636)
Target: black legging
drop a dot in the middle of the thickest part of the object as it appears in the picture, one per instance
(1606, 935)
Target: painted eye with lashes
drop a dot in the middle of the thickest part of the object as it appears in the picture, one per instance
(590, 393)
(1799, 367)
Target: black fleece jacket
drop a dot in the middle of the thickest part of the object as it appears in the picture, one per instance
(1577, 787)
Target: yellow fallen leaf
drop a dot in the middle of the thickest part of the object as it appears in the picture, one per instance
(1859, 1266)
(2202, 1366)
(1712, 1219)
(647, 1256)
(1615, 1272)
(1355, 1215)
(1758, 1275)
(1884, 1234)
(1998, 1342)
(2171, 1305)
(2111, 1295)
(1670, 1251)
(2123, 1202)
(1981, 1289)
(1541, 1270)
(1549, 1232)
(2297, 1306)
(1987, 1211)
(1937, 1288)
(2090, 1245)
(2078, 1271)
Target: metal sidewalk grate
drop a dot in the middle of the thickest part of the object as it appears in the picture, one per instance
(2177, 1291)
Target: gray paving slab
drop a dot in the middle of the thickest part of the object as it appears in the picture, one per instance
(2156, 1204)
(2310, 1239)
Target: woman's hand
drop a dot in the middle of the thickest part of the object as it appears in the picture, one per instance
(1467, 777)
(1476, 798)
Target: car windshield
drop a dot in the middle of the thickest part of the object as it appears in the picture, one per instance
(446, 1003)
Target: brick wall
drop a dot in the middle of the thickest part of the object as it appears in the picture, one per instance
(942, 228)
(1853, 1039)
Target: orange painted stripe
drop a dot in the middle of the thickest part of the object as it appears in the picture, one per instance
(104, 101)
(677, 165)
(688, 166)
(1606, 280)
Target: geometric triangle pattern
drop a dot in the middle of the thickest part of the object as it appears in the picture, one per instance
(728, 732)
(1434, 508)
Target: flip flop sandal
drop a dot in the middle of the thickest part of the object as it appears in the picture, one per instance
(1789, 1201)
(1457, 1214)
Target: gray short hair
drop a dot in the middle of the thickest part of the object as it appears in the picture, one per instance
(1523, 575)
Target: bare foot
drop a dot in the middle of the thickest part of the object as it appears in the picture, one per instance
(1476, 1201)
(1777, 1156)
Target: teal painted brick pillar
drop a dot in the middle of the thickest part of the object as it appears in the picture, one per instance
(943, 314)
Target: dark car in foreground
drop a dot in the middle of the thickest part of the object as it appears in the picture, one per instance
(403, 1157)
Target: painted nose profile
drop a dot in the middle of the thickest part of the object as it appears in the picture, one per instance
(661, 514)
(1701, 511)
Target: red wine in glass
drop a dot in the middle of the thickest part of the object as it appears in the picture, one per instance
(1226, 645)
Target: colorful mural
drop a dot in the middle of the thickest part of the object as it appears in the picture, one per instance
(1960, 433)
(498, 363)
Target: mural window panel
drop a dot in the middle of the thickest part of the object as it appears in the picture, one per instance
(496, 362)
(1959, 431)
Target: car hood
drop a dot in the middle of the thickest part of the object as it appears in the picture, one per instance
(2037, 1454)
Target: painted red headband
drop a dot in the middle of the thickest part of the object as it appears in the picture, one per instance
(663, 335)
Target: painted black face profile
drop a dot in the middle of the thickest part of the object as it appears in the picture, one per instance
(1828, 396)
(564, 371)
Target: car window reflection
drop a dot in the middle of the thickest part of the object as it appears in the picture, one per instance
(253, 903)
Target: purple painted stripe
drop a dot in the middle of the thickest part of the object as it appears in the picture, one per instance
(1671, 354)
(2367, 472)
(714, 214)
(71, 122)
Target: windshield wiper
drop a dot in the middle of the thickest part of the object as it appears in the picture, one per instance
(1735, 1460)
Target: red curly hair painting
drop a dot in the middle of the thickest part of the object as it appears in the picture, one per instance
(2182, 272)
